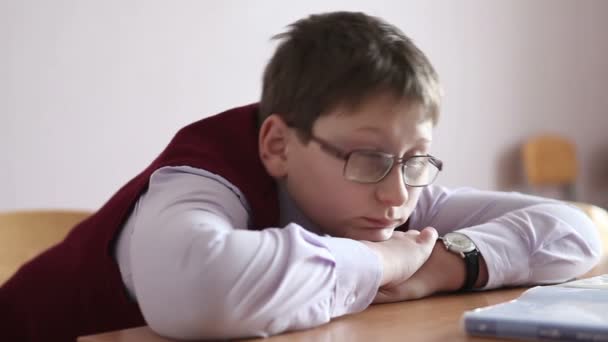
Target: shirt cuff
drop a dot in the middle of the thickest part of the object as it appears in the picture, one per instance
(358, 275)
(506, 261)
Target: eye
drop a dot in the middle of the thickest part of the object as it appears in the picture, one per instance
(416, 163)
(367, 166)
(416, 167)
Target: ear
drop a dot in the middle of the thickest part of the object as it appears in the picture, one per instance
(273, 144)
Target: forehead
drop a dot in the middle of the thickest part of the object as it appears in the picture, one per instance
(381, 117)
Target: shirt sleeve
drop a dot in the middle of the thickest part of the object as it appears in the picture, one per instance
(524, 239)
(198, 273)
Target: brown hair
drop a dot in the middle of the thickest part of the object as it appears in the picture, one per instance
(339, 58)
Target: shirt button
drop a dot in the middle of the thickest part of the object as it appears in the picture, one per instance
(350, 299)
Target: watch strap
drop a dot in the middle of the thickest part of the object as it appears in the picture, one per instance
(471, 260)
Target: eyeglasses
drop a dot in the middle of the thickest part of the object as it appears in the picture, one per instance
(366, 166)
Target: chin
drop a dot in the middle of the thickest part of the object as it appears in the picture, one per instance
(373, 235)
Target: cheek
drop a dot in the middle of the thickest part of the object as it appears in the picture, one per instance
(414, 195)
(324, 195)
(342, 205)
(312, 172)
(331, 192)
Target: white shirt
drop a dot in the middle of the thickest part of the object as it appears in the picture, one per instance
(187, 258)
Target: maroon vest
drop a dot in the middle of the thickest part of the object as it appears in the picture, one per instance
(75, 288)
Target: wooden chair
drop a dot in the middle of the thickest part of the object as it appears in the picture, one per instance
(550, 161)
(25, 234)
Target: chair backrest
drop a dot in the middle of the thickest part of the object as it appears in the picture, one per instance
(25, 234)
(550, 160)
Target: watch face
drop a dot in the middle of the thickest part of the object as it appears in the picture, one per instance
(459, 242)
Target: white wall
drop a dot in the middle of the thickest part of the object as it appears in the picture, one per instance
(91, 91)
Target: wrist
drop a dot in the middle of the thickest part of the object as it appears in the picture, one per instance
(385, 269)
(453, 273)
(450, 269)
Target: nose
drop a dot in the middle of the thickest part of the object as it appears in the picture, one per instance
(391, 190)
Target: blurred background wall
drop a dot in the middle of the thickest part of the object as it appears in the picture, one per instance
(91, 91)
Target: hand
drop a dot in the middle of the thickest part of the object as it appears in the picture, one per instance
(403, 254)
(441, 272)
(444, 271)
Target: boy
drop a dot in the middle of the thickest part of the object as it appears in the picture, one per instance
(311, 205)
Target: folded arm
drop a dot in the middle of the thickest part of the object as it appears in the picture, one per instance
(198, 273)
(523, 239)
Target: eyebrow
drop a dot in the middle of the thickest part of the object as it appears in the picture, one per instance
(379, 132)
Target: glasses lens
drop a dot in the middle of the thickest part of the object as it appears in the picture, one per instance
(419, 171)
(367, 167)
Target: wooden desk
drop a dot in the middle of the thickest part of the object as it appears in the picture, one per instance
(435, 318)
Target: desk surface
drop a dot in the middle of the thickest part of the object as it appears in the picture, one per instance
(435, 318)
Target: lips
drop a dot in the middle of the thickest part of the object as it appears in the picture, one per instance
(380, 222)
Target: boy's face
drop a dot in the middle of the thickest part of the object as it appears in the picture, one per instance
(344, 208)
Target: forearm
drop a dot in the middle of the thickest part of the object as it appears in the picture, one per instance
(196, 275)
(272, 281)
(447, 270)
(443, 271)
(523, 239)
(546, 243)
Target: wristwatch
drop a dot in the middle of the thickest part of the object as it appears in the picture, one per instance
(461, 244)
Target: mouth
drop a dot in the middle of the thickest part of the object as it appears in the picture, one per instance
(380, 223)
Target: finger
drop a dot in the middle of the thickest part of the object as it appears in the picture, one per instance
(427, 235)
(412, 232)
(385, 296)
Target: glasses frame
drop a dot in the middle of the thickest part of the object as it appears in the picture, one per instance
(343, 155)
